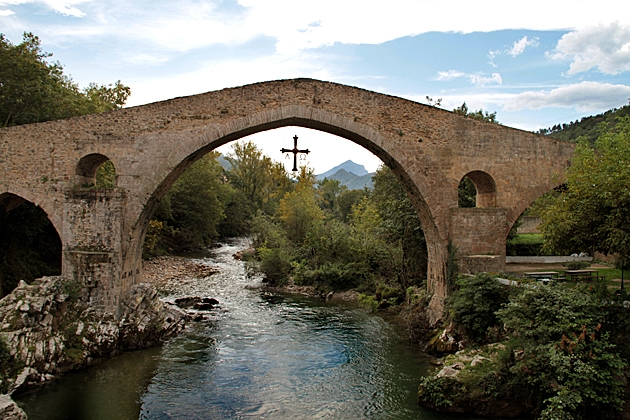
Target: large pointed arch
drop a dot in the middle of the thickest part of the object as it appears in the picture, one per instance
(194, 147)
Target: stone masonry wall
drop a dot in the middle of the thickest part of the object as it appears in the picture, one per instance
(479, 232)
(92, 229)
(429, 150)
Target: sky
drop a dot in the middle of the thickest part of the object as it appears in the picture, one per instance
(535, 63)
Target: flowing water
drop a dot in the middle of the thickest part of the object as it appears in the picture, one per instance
(259, 355)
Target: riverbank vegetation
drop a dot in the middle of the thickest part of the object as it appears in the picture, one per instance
(555, 352)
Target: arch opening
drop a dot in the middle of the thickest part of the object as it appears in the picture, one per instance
(30, 246)
(95, 170)
(398, 175)
(524, 237)
(477, 189)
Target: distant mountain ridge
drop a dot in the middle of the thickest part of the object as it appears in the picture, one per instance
(349, 166)
(353, 175)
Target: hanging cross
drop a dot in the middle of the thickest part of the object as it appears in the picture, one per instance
(295, 152)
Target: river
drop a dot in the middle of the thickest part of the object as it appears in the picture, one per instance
(258, 355)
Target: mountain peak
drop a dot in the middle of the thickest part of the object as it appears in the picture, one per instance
(348, 166)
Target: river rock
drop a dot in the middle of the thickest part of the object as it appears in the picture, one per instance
(52, 331)
(9, 410)
(462, 398)
(196, 302)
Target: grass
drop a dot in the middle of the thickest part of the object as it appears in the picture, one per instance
(528, 239)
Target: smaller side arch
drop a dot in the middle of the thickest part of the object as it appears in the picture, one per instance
(486, 188)
(87, 167)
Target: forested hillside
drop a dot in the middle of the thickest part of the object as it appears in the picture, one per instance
(586, 127)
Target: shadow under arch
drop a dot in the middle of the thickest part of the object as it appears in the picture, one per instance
(414, 183)
(30, 244)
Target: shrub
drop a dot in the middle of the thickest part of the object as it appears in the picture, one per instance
(337, 276)
(275, 264)
(576, 265)
(369, 301)
(474, 303)
(568, 362)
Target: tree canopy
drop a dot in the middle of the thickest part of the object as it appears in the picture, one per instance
(34, 90)
(592, 213)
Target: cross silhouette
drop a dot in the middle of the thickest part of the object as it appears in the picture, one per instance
(295, 152)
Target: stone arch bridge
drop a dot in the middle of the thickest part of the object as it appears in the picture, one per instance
(429, 149)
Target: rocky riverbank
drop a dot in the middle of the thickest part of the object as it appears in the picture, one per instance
(162, 271)
(48, 328)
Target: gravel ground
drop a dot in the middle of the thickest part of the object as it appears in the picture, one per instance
(159, 271)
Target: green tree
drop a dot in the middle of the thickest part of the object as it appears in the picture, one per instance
(345, 201)
(263, 181)
(480, 114)
(328, 191)
(193, 208)
(592, 213)
(34, 90)
(400, 220)
(298, 209)
(466, 193)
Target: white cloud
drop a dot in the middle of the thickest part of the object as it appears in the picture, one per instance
(65, 7)
(583, 96)
(481, 80)
(227, 73)
(475, 79)
(605, 47)
(520, 45)
(450, 75)
(295, 26)
(146, 59)
(6, 12)
(491, 55)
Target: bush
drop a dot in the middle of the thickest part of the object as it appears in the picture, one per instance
(576, 265)
(568, 363)
(369, 301)
(474, 302)
(337, 276)
(275, 264)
